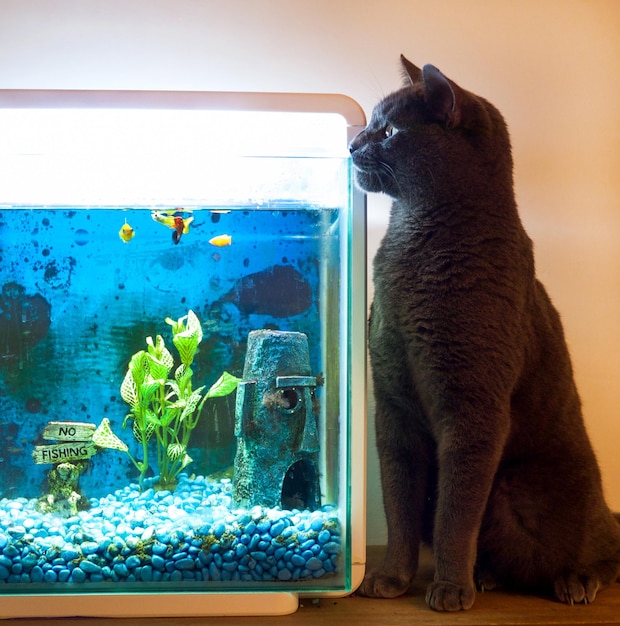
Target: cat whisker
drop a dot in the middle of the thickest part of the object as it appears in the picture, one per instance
(388, 169)
(432, 177)
(376, 87)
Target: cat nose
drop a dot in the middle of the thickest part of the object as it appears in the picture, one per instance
(354, 144)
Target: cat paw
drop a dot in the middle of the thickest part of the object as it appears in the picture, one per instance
(572, 588)
(380, 584)
(446, 596)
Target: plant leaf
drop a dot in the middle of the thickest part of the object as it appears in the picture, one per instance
(183, 374)
(147, 389)
(103, 437)
(187, 459)
(175, 451)
(191, 403)
(187, 346)
(167, 359)
(159, 368)
(151, 418)
(129, 391)
(138, 367)
(145, 433)
(193, 325)
(137, 432)
(224, 385)
(186, 337)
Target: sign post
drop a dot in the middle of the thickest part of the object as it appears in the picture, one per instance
(68, 456)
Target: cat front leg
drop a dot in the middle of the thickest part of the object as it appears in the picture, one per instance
(406, 473)
(467, 466)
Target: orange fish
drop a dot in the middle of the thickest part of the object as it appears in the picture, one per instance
(178, 224)
(221, 240)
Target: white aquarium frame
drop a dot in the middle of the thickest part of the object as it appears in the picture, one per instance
(353, 482)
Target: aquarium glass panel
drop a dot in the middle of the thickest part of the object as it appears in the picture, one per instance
(174, 341)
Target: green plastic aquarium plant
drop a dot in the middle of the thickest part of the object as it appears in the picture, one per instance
(167, 409)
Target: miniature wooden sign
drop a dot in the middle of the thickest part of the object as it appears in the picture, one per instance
(64, 452)
(76, 443)
(69, 431)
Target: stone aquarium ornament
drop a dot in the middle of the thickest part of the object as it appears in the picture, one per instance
(276, 424)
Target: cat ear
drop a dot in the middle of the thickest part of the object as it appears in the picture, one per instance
(441, 96)
(411, 73)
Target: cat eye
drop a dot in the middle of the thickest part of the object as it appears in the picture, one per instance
(390, 131)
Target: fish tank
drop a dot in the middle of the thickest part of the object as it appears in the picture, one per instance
(182, 353)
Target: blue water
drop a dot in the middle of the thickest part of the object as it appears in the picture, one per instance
(76, 302)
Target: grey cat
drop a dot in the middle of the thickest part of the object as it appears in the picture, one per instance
(481, 441)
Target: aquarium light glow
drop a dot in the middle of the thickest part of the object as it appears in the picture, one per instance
(109, 156)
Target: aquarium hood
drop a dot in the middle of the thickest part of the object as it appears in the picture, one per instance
(152, 147)
(182, 353)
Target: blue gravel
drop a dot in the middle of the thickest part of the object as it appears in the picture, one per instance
(190, 535)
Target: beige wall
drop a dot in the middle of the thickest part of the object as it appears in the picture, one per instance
(552, 67)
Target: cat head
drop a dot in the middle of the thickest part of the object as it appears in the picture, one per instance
(430, 132)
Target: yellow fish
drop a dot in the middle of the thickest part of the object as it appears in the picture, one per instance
(126, 233)
(221, 240)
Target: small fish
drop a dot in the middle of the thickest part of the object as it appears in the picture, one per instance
(179, 228)
(221, 240)
(163, 217)
(178, 224)
(126, 233)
